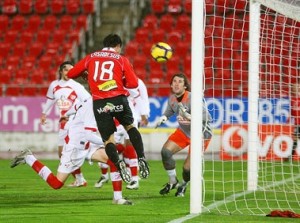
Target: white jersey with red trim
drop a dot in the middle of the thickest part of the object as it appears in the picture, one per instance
(64, 94)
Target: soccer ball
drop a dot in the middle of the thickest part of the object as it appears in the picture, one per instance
(161, 52)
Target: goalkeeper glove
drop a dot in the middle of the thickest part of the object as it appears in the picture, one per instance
(161, 120)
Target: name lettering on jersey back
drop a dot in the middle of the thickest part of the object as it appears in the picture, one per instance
(106, 54)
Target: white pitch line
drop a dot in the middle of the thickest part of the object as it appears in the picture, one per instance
(230, 199)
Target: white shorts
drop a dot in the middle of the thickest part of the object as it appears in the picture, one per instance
(121, 134)
(73, 157)
(62, 133)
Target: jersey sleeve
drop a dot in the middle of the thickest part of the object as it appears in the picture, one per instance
(78, 69)
(131, 80)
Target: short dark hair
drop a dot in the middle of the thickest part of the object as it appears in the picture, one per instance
(63, 65)
(186, 81)
(112, 40)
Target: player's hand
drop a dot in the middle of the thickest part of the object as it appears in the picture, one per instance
(161, 120)
(183, 121)
(85, 75)
(63, 119)
(43, 119)
(183, 112)
(144, 120)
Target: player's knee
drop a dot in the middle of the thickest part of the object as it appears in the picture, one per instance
(186, 175)
(128, 127)
(167, 158)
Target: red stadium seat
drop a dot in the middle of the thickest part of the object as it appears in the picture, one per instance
(41, 7)
(26, 37)
(72, 7)
(50, 22)
(13, 90)
(12, 62)
(174, 63)
(4, 23)
(174, 37)
(5, 76)
(53, 49)
(35, 49)
(57, 7)
(9, 7)
(146, 48)
(19, 49)
(158, 6)
(187, 6)
(22, 75)
(37, 77)
(131, 49)
(30, 90)
(18, 22)
(183, 22)
(58, 36)
(33, 23)
(28, 62)
(158, 35)
(140, 62)
(150, 22)
(88, 6)
(11, 36)
(43, 36)
(45, 62)
(43, 90)
(81, 22)
(4, 49)
(166, 22)
(183, 48)
(66, 22)
(74, 35)
(174, 6)
(163, 91)
(25, 7)
(141, 35)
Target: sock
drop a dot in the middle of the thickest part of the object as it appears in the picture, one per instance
(120, 148)
(172, 176)
(137, 142)
(104, 170)
(78, 175)
(112, 153)
(116, 180)
(44, 172)
(130, 158)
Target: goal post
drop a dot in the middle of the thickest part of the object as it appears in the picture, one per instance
(251, 61)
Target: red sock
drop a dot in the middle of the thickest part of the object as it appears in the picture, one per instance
(116, 179)
(131, 155)
(120, 148)
(78, 171)
(47, 175)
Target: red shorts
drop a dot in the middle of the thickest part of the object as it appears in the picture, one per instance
(183, 141)
(180, 139)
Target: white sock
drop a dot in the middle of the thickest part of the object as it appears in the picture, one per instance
(172, 176)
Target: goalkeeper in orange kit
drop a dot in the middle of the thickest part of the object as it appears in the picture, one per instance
(179, 104)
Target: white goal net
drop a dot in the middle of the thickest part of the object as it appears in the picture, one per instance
(270, 179)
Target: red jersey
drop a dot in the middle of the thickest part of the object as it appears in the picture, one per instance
(295, 109)
(109, 73)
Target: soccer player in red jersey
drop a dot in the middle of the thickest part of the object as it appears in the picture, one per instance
(179, 104)
(109, 74)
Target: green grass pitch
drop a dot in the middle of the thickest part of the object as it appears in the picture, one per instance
(25, 197)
